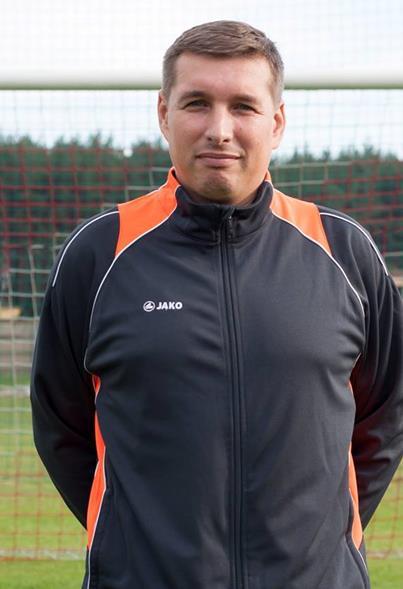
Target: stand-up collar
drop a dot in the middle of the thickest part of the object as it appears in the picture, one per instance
(206, 220)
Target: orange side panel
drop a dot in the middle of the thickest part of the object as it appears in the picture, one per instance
(141, 215)
(99, 482)
(303, 215)
(356, 532)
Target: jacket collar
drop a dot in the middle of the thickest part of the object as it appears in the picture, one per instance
(206, 221)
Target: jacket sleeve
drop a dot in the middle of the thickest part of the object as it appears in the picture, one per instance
(377, 382)
(62, 396)
(377, 378)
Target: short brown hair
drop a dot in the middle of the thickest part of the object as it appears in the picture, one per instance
(224, 38)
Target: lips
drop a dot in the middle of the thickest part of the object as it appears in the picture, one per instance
(218, 155)
(217, 160)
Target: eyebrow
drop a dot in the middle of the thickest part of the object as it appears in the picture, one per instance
(201, 94)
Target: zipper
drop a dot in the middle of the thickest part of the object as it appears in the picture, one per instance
(237, 466)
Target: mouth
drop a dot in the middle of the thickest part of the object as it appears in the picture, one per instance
(218, 155)
(217, 159)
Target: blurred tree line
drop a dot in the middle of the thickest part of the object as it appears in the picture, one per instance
(46, 191)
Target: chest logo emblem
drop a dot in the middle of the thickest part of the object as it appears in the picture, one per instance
(162, 306)
(149, 306)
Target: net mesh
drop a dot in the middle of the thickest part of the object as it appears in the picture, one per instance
(45, 193)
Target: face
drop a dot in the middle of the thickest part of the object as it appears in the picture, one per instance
(221, 126)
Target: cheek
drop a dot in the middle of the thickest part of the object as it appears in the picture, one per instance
(265, 141)
(256, 138)
(258, 147)
(183, 137)
(188, 128)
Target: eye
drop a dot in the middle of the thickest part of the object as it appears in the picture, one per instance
(196, 103)
(243, 106)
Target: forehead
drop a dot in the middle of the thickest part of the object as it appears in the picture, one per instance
(217, 75)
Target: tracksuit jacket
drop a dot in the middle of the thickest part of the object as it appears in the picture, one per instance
(217, 392)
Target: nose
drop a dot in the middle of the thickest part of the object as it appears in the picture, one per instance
(219, 129)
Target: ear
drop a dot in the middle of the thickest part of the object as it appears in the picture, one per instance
(279, 121)
(163, 114)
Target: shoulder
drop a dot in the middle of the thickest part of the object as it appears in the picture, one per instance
(89, 247)
(351, 243)
(341, 227)
(355, 250)
(343, 234)
(344, 239)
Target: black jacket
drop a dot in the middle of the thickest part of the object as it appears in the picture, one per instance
(212, 375)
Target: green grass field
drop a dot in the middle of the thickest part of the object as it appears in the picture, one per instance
(385, 574)
(36, 527)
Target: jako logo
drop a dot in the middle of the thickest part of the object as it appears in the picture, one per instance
(149, 306)
(162, 306)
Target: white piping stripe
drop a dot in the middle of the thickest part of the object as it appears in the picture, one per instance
(96, 521)
(74, 237)
(118, 256)
(361, 556)
(327, 253)
(85, 362)
(369, 238)
(356, 360)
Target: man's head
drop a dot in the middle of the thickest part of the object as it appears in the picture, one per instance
(220, 109)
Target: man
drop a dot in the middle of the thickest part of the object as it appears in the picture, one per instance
(217, 387)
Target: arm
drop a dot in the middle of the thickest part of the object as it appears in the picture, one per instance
(377, 378)
(62, 395)
(377, 382)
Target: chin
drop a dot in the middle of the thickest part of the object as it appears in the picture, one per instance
(210, 187)
(220, 191)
